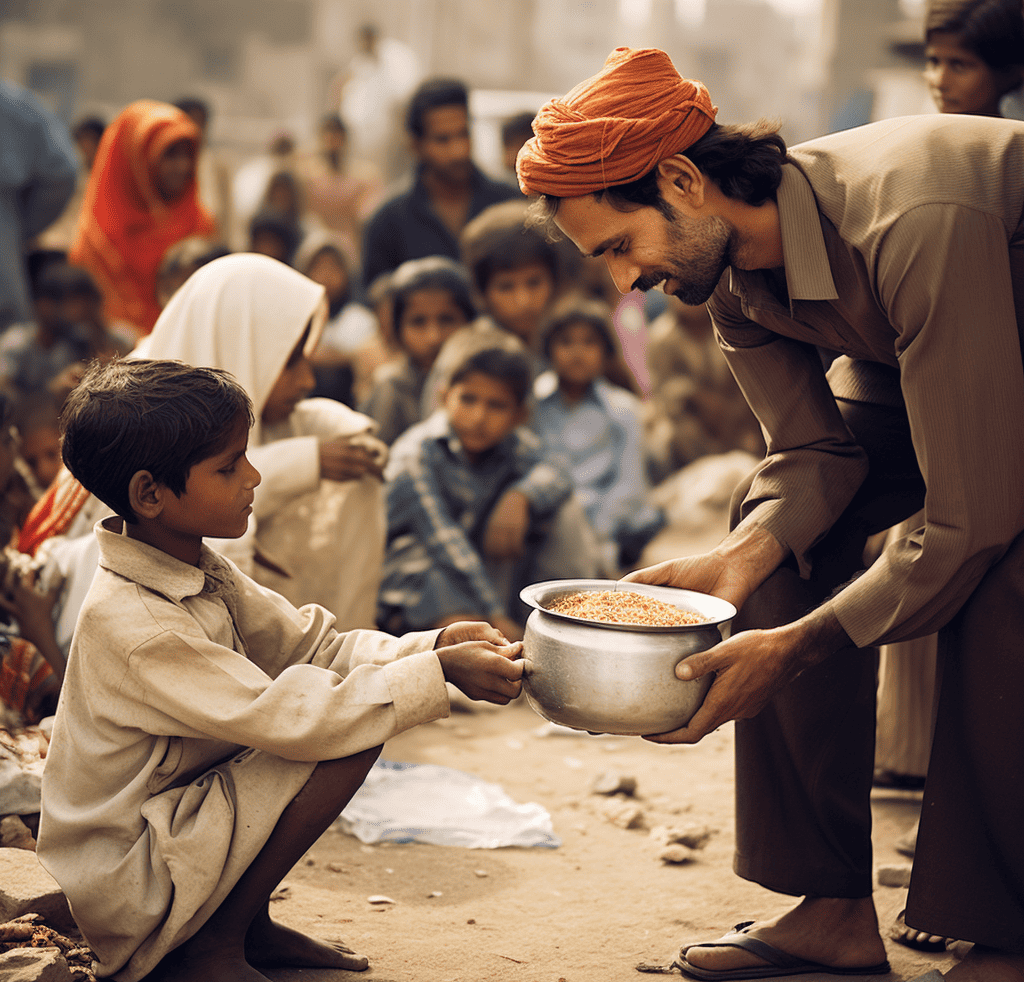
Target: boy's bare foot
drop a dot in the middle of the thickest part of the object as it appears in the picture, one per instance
(838, 932)
(982, 964)
(272, 945)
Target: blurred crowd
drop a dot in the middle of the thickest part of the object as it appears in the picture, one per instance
(400, 488)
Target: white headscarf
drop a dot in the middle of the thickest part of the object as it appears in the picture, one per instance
(242, 313)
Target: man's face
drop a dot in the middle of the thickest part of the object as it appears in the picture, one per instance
(643, 248)
(444, 149)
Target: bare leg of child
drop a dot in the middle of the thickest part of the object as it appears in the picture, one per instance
(240, 934)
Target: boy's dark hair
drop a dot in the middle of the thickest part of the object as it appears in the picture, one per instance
(745, 161)
(430, 273)
(574, 310)
(992, 29)
(91, 125)
(132, 415)
(518, 128)
(268, 222)
(433, 94)
(509, 366)
(78, 282)
(501, 238)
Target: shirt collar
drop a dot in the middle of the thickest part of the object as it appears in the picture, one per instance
(808, 274)
(153, 569)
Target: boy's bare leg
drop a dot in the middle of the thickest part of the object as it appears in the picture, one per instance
(240, 934)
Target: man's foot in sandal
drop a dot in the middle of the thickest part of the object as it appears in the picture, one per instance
(902, 933)
(821, 934)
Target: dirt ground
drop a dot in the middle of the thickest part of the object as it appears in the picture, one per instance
(588, 911)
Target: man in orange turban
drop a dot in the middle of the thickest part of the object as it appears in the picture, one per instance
(141, 199)
(899, 245)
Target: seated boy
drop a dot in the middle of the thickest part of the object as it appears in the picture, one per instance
(208, 732)
(468, 492)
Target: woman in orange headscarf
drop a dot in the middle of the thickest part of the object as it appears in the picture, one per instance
(141, 198)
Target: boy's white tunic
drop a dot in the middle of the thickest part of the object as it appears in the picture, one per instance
(153, 802)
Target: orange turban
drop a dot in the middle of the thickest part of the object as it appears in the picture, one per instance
(614, 127)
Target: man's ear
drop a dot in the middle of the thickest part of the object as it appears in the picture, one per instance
(679, 179)
(145, 495)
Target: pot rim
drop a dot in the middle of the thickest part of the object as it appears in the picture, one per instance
(718, 611)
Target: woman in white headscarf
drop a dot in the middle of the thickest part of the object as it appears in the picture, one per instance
(318, 526)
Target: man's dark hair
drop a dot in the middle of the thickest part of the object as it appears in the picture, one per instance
(745, 162)
(501, 238)
(433, 94)
(132, 415)
(504, 364)
(992, 29)
(430, 273)
(91, 125)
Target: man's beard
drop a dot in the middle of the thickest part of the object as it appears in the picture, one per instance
(695, 259)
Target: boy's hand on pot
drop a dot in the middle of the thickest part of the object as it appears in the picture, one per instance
(483, 670)
(472, 631)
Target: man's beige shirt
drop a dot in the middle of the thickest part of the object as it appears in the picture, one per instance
(903, 242)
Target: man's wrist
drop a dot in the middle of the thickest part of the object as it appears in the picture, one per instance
(820, 635)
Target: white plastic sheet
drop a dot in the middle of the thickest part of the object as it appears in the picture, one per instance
(401, 802)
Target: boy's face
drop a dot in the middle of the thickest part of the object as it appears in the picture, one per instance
(40, 449)
(578, 354)
(429, 319)
(218, 495)
(482, 411)
(518, 298)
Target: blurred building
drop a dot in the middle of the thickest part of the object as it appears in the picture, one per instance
(268, 65)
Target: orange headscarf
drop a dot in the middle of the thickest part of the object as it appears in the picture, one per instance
(614, 127)
(125, 226)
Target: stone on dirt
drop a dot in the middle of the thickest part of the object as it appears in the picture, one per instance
(625, 814)
(612, 782)
(34, 965)
(25, 887)
(692, 836)
(894, 876)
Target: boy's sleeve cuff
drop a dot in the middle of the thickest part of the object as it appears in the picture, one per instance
(418, 689)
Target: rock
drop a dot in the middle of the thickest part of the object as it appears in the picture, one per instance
(336, 868)
(25, 887)
(611, 782)
(894, 876)
(15, 834)
(677, 853)
(379, 898)
(19, 788)
(480, 872)
(691, 836)
(624, 814)
(34, 965)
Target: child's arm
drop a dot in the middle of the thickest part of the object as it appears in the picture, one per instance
(544, 487)
(416, 504)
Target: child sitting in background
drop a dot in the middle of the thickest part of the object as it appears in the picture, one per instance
(36, 420)
(468, 495)
(350, 342)
(515, 271)
(430, 301)
(596, 426)
(209, 731)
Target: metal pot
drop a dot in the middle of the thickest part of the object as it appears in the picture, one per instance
(615, 678)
